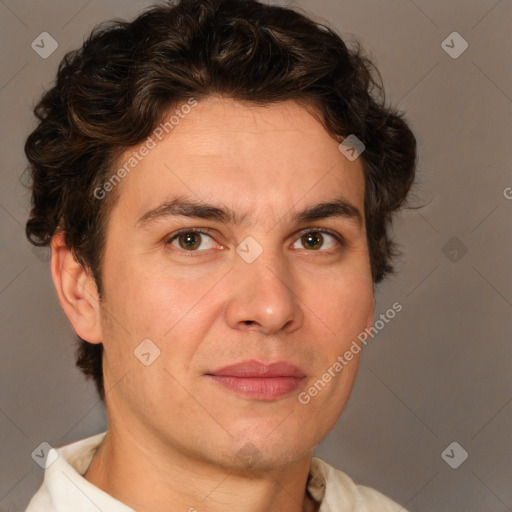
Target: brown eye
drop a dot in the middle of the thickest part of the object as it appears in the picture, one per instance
(319, 239)
(312, 240)
(191, 240)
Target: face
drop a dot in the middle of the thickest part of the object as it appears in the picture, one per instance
(260, 275)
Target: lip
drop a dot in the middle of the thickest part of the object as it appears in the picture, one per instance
(259, 381)
(256, 369)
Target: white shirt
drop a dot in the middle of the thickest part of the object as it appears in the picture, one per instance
(64, 489)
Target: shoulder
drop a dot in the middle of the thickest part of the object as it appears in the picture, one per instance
(338, 492)
(64, 467)
(41, 501)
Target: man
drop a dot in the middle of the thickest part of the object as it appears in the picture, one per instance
(216, 182)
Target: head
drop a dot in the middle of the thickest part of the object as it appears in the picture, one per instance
(232, 105)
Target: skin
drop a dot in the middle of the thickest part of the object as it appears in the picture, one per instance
(173, 434)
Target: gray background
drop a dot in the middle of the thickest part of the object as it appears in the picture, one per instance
(439, 372)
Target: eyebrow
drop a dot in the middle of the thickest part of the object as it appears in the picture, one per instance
(184, 207)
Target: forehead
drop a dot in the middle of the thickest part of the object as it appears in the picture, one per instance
(268, 157)
(222, 128)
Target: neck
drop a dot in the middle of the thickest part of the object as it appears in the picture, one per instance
(150, 475)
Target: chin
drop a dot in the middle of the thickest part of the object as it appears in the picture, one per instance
(264, 455)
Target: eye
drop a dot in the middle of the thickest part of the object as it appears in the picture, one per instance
(315, 239)
(193, 240)
(190, 240)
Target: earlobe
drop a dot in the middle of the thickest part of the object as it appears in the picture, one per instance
(77, 291)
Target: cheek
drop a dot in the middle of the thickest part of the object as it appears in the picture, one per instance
(146, 299)
(173, 310)
(344, 304)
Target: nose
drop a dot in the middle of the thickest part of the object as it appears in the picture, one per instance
(263, 298)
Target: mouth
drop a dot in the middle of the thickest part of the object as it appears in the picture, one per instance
(259, 381)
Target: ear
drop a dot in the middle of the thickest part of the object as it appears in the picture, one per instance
(77, 291)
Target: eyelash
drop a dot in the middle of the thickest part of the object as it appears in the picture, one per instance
(205, 231)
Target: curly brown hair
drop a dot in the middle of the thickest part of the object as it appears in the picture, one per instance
(111, 93)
